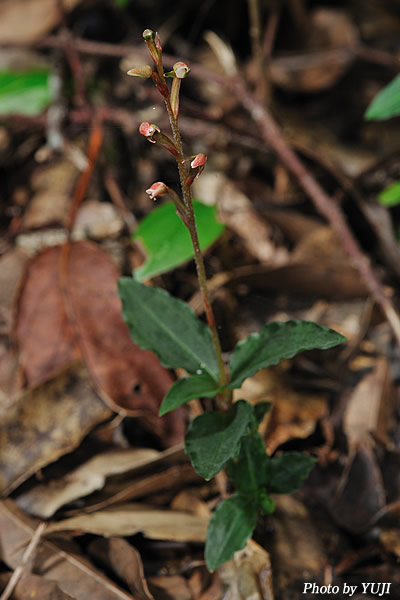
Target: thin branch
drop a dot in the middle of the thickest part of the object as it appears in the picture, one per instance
(325, 205)
(30, 549)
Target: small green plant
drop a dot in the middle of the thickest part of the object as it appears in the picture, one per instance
(225, 438)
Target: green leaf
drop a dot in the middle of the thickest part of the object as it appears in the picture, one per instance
(265, 502)
(276, 341)
(231, 525)
(386, 104)
(214, 438)
(248, 472)
(287, 472)
(166, 239)
(197, 386)
(390, 196)
(168, 327)
(260, 410)
(25, 93)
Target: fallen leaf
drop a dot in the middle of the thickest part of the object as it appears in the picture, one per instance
(34, 586)
(330, 41)
(44, 500)
(45, 423)
(165, 587)
(74, 576)
(69, 307)
(130, 519)
(248, 574)
(125, 561)
(26, 21)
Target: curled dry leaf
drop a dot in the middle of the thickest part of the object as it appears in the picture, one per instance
(44, 500)
(45, 423)
(69, 308)
(249, 574)
(74, 576)
(130, 519)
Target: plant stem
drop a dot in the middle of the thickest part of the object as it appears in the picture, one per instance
(224, 401)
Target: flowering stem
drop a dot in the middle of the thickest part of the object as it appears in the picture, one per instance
(224, 400)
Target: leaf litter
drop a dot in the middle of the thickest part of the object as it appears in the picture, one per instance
(277, 259)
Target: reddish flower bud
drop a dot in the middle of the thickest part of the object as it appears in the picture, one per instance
(153, 44)
(199, 161)
(144, 72)
(148, 130)
(157, 189)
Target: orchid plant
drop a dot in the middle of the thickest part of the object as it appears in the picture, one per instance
(227, 437)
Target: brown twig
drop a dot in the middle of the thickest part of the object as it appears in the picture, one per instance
(30, 549)
(325, 205)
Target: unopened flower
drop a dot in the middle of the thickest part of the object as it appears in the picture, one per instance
(154, 46)
(157, 189)
(198, 161)
(148, 130)
(144, 72)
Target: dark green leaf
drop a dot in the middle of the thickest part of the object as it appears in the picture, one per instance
(231, 525)
(25, 93)
(287, 472)
(276, 341)
(265, 502)
(390, 196)
(248, 472)
(386, 104)
(166, 239)
(197, 386)
(260, 410)
(214, 438)
(168, 327)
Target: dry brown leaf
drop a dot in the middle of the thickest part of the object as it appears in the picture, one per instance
(296, 546)
(236, 211)
(366, 409)
(25, 21)
(170, 586)
(45, 423)
(45, 499)
(130, 519)
(329, 53)
(249, 574)
(69, 307)
(125, 561)
(34, 586)
(74, 576)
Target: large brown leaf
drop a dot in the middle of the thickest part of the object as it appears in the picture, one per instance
(69, 307)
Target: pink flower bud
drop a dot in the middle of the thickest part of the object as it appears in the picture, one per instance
(181, 70)
(144, 72)
(157, 189)
(148, 130)
(198, 161)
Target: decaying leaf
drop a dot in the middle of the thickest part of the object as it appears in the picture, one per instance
(249, 574)
(73, 576)
(125, 561)
(34, 586)
(69, 307)
(129, 519)
(45, 423)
